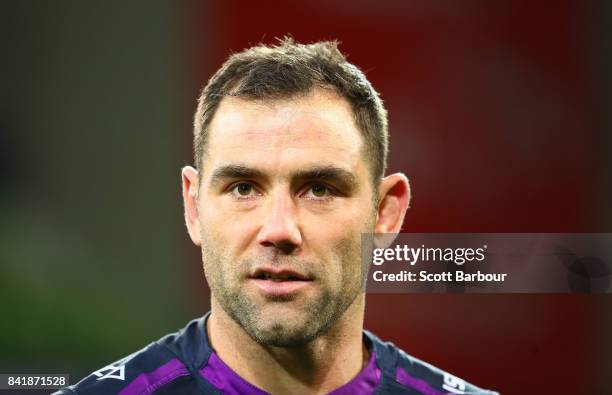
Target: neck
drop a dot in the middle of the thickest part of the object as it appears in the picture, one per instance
(324, 364)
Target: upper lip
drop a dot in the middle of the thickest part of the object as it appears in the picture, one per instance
(279, 273)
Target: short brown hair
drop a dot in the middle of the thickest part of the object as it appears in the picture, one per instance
(288, 69)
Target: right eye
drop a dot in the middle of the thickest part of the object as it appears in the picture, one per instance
(243, 190)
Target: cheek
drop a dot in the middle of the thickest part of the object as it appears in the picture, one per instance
(338, 247)
(230, 229)
(218, 262)
(346, 220)
(343, 269)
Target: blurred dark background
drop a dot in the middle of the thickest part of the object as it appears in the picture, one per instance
(499, 115)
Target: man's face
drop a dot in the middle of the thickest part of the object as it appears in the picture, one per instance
(284, 196)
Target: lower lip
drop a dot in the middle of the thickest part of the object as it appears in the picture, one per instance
(280, 288)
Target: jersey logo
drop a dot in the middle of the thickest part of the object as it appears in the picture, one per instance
(113, 372)
(453, 384)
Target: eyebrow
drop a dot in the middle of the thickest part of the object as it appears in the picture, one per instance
(234, 171)
(343, 178)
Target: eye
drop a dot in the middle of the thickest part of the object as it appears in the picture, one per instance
(318, 191)
(243, 190)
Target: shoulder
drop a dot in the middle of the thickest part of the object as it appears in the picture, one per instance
(406, 374)
(154, 365)
(164, 366)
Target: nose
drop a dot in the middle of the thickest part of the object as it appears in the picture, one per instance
(280, 227)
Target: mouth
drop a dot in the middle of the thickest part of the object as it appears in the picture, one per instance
(276, 282)
(279, 275)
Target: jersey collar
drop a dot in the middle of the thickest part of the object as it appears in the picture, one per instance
(224, 379)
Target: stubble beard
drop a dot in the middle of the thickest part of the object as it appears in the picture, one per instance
(317, 316)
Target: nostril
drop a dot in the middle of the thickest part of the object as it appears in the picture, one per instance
(267, 244)
(286, 247)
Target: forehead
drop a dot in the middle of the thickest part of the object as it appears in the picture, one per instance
(294, 132)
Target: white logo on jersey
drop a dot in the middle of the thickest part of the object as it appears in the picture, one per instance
(112, 372)
(115, 370)
(453, 384)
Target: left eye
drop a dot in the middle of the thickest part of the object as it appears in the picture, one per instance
(318, 191)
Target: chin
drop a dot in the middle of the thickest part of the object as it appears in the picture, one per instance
(281, 336)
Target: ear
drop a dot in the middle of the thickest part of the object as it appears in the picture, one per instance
(394, 197)
(189, 177)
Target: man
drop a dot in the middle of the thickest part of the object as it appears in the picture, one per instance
(290, 152)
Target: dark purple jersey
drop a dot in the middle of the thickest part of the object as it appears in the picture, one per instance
(184, 363)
